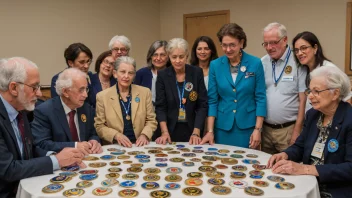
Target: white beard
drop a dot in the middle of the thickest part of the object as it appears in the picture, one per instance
(27, 105)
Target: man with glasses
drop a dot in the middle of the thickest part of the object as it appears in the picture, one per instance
(67, 121)
(285, 86)
(19, 158)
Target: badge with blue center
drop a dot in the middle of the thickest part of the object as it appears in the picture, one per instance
(211, 153)
(180, 146)
(212, 149)
(216, 181)
(60, 179)
(256, 176)
(70, 168)
(221, 190)
(117, 153)
(248, 161)
(222, 154)
(68, 173)
(128, 184)
(197, 147)
(284, 186)
(161, 165)
(107, 157)
(236, 156)
(142, 156)
(275, 178)
(237, 175)
(188, 164)
(88, 177)
(137, 99)
(143, 160)
(333, 145)
(52, 188)
(172, 186)
(150, 185)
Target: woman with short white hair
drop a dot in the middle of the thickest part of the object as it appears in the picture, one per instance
(181, 103)
(325, 144)
(120, 46)
(124, 112)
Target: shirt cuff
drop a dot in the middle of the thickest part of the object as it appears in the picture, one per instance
(75, 144)
(55, 162)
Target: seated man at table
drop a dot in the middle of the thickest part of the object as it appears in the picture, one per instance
(66, 120)
(19, 158)
(325, 144)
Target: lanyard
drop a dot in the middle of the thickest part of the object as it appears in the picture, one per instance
(274, 64)
(179, 93)
(129, 104)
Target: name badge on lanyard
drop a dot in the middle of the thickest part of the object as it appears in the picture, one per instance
(181, 110)
(276, 80)
(318, 150)
(287, 79)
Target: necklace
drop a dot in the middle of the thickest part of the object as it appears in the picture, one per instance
(128, 97)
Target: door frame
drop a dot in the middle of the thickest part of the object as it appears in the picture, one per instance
(202, 14)
(348, 69)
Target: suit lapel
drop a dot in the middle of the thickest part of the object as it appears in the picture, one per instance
(226, 70)
(62, 117)
(8, 126)
(172, 82)
(82, 125)
(244, 62)
(135, 102)
(311, 138)
(335, 126)
(115, 103)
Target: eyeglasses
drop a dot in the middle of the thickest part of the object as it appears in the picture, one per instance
(83, 62)
(159, 55)
(122, 49)
(106, 62)
(303, 49)
(82, 90)
(231, 45)
(35, 88)
(314, 92)
(265, 44)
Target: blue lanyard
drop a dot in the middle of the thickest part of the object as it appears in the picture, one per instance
(179, 93)
(274, 64)
(129, 104)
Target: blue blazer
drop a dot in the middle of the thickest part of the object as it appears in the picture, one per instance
(243, 100)
(336, 172)
(144, 77)
(51, 130)
(96, 88)
(12, 167)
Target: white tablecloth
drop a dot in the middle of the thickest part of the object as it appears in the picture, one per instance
(305, 186)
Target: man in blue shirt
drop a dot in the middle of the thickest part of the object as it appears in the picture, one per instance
(19, 158)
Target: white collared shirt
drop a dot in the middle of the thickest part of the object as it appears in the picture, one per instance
(67, 111)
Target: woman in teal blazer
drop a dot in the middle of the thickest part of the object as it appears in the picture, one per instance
(237, 93)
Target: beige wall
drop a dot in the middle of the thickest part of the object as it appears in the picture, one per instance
(325, 18)
(41, 30)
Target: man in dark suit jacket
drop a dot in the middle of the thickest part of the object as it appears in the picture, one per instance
(67, 121)
(19, 158)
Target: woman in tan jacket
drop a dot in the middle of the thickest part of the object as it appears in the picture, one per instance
(124, 112)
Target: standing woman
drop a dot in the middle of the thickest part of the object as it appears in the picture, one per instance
(237, 98)
(157, 59)
(103, 79)
(181, 98)
(309, 53)
(203, 51)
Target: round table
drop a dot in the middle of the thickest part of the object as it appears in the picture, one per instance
(305, 186)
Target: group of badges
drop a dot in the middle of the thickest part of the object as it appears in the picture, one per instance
(214, 176)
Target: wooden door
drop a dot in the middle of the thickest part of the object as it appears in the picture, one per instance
(204, 24)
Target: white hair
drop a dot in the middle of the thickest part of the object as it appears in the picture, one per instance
(281, 29)
(66, 77)
(121, 39)
(13, 70)
(177, 43)
(126, 60)
(334, 78)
